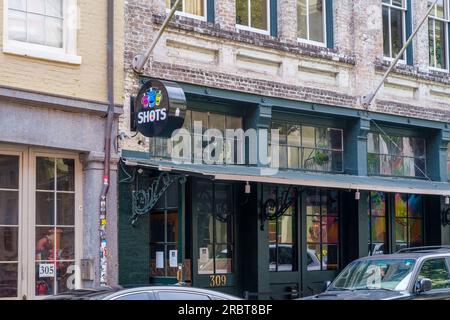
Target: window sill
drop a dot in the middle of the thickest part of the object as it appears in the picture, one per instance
(311, 43)
(10, 48)
(250, 29)
(188, 15)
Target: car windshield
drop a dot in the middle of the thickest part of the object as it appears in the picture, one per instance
(387, 274)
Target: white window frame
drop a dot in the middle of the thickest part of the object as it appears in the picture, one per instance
(190, 15)
(446, 20)
(404, 9)
(307, 41)
(78, 228)
(66, 54)
(251, 29)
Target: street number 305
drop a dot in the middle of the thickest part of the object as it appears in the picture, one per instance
(218, 281)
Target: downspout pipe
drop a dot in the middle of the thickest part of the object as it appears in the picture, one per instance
(108, 134)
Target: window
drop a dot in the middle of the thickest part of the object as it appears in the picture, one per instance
(213, 205)
(253, 15)
(44, 29)
(394, 27)
(55, 224)
(408, 221)
(172, 295)
(138, 296)
(282, 232)
(190, 8)
(377, 223)
(311, 21)
(448, 161)
(437, 271)
(164, 231)
(396, 156)
(9, 225)
(161, 147)
(322, 227)
(309, 148)
(438, 23)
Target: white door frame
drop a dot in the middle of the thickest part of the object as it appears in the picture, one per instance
(27, 216)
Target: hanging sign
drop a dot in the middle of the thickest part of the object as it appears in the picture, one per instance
(160, 108)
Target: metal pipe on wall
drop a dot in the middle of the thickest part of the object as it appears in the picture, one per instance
(108, 133)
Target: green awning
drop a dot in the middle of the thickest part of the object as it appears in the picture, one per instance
(299, 178)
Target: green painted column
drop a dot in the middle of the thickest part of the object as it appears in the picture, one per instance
(134, 242)
(355, 143)
(260, 119)
(443, 156)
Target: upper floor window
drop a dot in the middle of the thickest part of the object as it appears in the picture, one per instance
(309, 148)
(311, 21)
(253, 15)
(394, 27)
(190, 8)
(226, 149)
(438, 23)
(396, 156)
(44, 29)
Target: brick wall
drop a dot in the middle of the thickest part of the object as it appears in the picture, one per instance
(211, 55)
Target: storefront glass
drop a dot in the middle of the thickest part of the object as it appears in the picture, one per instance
(377, 223)
(55, 225)
(282, 232)
(9, 226)
(322, 226)
(309, 148)
(396, 156)
(164, 232)
(214, 207)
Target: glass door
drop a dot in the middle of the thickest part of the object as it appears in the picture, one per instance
(164, 238)
(10, 264)
(54, 229)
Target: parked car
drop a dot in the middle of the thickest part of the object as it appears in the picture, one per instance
(413, 273)
(144, 293)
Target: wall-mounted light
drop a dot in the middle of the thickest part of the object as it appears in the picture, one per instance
(248, 188)
(447, 200)
(357, 195)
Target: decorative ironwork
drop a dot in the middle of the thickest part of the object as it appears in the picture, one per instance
(145, 200)
(274, 209)
(446, 217)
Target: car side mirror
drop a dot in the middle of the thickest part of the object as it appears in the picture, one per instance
(326, 285)
(423, 285)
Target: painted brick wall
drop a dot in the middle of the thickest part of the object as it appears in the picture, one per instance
(86, 81)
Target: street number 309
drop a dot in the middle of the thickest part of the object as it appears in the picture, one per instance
(218, 281)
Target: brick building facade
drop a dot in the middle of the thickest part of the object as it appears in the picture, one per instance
(276, 77)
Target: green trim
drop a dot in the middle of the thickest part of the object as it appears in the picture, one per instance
(409, 27)
(330, 24)
(273, 18)
(211, 13)
(228, 96)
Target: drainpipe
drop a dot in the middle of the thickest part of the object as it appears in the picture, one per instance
(108, 133)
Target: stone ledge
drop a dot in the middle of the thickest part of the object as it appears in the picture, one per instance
(62, 103)
(253, 38)
(414, 72)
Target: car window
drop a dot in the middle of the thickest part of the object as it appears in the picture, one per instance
(437, 271)
(136, 296)
(172, 295)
